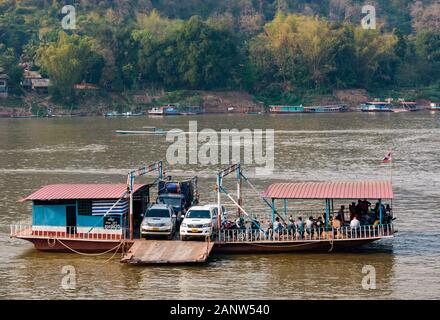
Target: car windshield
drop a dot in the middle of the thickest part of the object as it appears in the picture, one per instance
(175, 202)
(202, 214)
(157, 213)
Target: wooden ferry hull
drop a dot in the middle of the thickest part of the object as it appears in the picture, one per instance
(284, 247)
(68, 245)
(96, 246)
(377, 110)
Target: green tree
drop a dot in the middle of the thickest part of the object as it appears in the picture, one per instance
(208, 56)
(9, 62)
(67, 62)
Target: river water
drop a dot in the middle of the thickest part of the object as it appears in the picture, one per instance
(349, 146)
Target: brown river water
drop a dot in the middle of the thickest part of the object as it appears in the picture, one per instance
(349, 146)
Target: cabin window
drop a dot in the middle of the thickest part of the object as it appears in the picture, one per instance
(85, 207)
(53, 202)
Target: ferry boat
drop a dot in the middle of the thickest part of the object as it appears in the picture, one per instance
(286, 109)
(163, 111)
(406, 106)
(104, 218)
(192, 110)
(326, 109)
(112, 114)
(377, 106)
(434, 106)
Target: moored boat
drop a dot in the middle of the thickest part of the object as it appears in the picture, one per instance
(112, 114)
(286, 109)
(377, 106)
(406, 106)
(326, 109)
(434, 106)
(163, 111)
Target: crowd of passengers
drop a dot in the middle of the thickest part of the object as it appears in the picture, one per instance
(362, 213)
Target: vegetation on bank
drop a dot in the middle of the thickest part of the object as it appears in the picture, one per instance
(279, 51)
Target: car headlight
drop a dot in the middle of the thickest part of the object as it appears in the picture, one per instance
(206, 225)
(184, 225)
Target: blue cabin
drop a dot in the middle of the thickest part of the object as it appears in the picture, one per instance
(86, 208)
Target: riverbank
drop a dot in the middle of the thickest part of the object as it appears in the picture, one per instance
(100, 102)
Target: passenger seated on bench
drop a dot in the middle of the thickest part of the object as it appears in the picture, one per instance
(290, 226)
(255, 225)
(355, 223)
(299, 224)
(337, 222)
(277, 226)
(309, 226)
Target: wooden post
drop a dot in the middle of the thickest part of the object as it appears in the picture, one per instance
(219, 222)
(131, 206)
(327, 215)
(238, 190)
(380, 211)
(285, 209)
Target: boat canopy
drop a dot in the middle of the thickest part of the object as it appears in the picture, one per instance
(331, 190)
(80, 191)
(378, 102)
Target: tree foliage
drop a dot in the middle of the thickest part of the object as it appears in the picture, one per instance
(277, 49)
(69, 61)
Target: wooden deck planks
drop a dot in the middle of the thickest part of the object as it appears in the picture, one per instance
(167, 252)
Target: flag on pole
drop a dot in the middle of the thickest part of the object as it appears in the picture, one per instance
(388, 158)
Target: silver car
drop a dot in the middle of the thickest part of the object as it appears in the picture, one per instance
(159, 219)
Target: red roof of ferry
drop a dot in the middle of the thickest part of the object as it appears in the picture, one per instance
(80, 191)
(378, 102)
(331, 190)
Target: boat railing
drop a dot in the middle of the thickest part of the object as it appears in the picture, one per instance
(29, 231)
(314, 234)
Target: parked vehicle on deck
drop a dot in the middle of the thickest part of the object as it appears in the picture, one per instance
(159, 219)
(181, 195)
(200, 222)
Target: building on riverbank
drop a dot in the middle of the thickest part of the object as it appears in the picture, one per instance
(40, 85)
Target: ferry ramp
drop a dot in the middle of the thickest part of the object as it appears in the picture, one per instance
(146, 252)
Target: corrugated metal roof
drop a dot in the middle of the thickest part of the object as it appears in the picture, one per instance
(331, 190)
(80, 191)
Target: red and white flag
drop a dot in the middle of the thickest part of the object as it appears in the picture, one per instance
(388, 158)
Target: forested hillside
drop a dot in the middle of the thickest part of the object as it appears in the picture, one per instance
(277, 50)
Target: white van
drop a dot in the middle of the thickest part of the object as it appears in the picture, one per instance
(200, 221)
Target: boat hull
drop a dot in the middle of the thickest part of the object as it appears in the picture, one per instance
(377, 110)
(96, 246)
(71, 245)
(284, 247)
